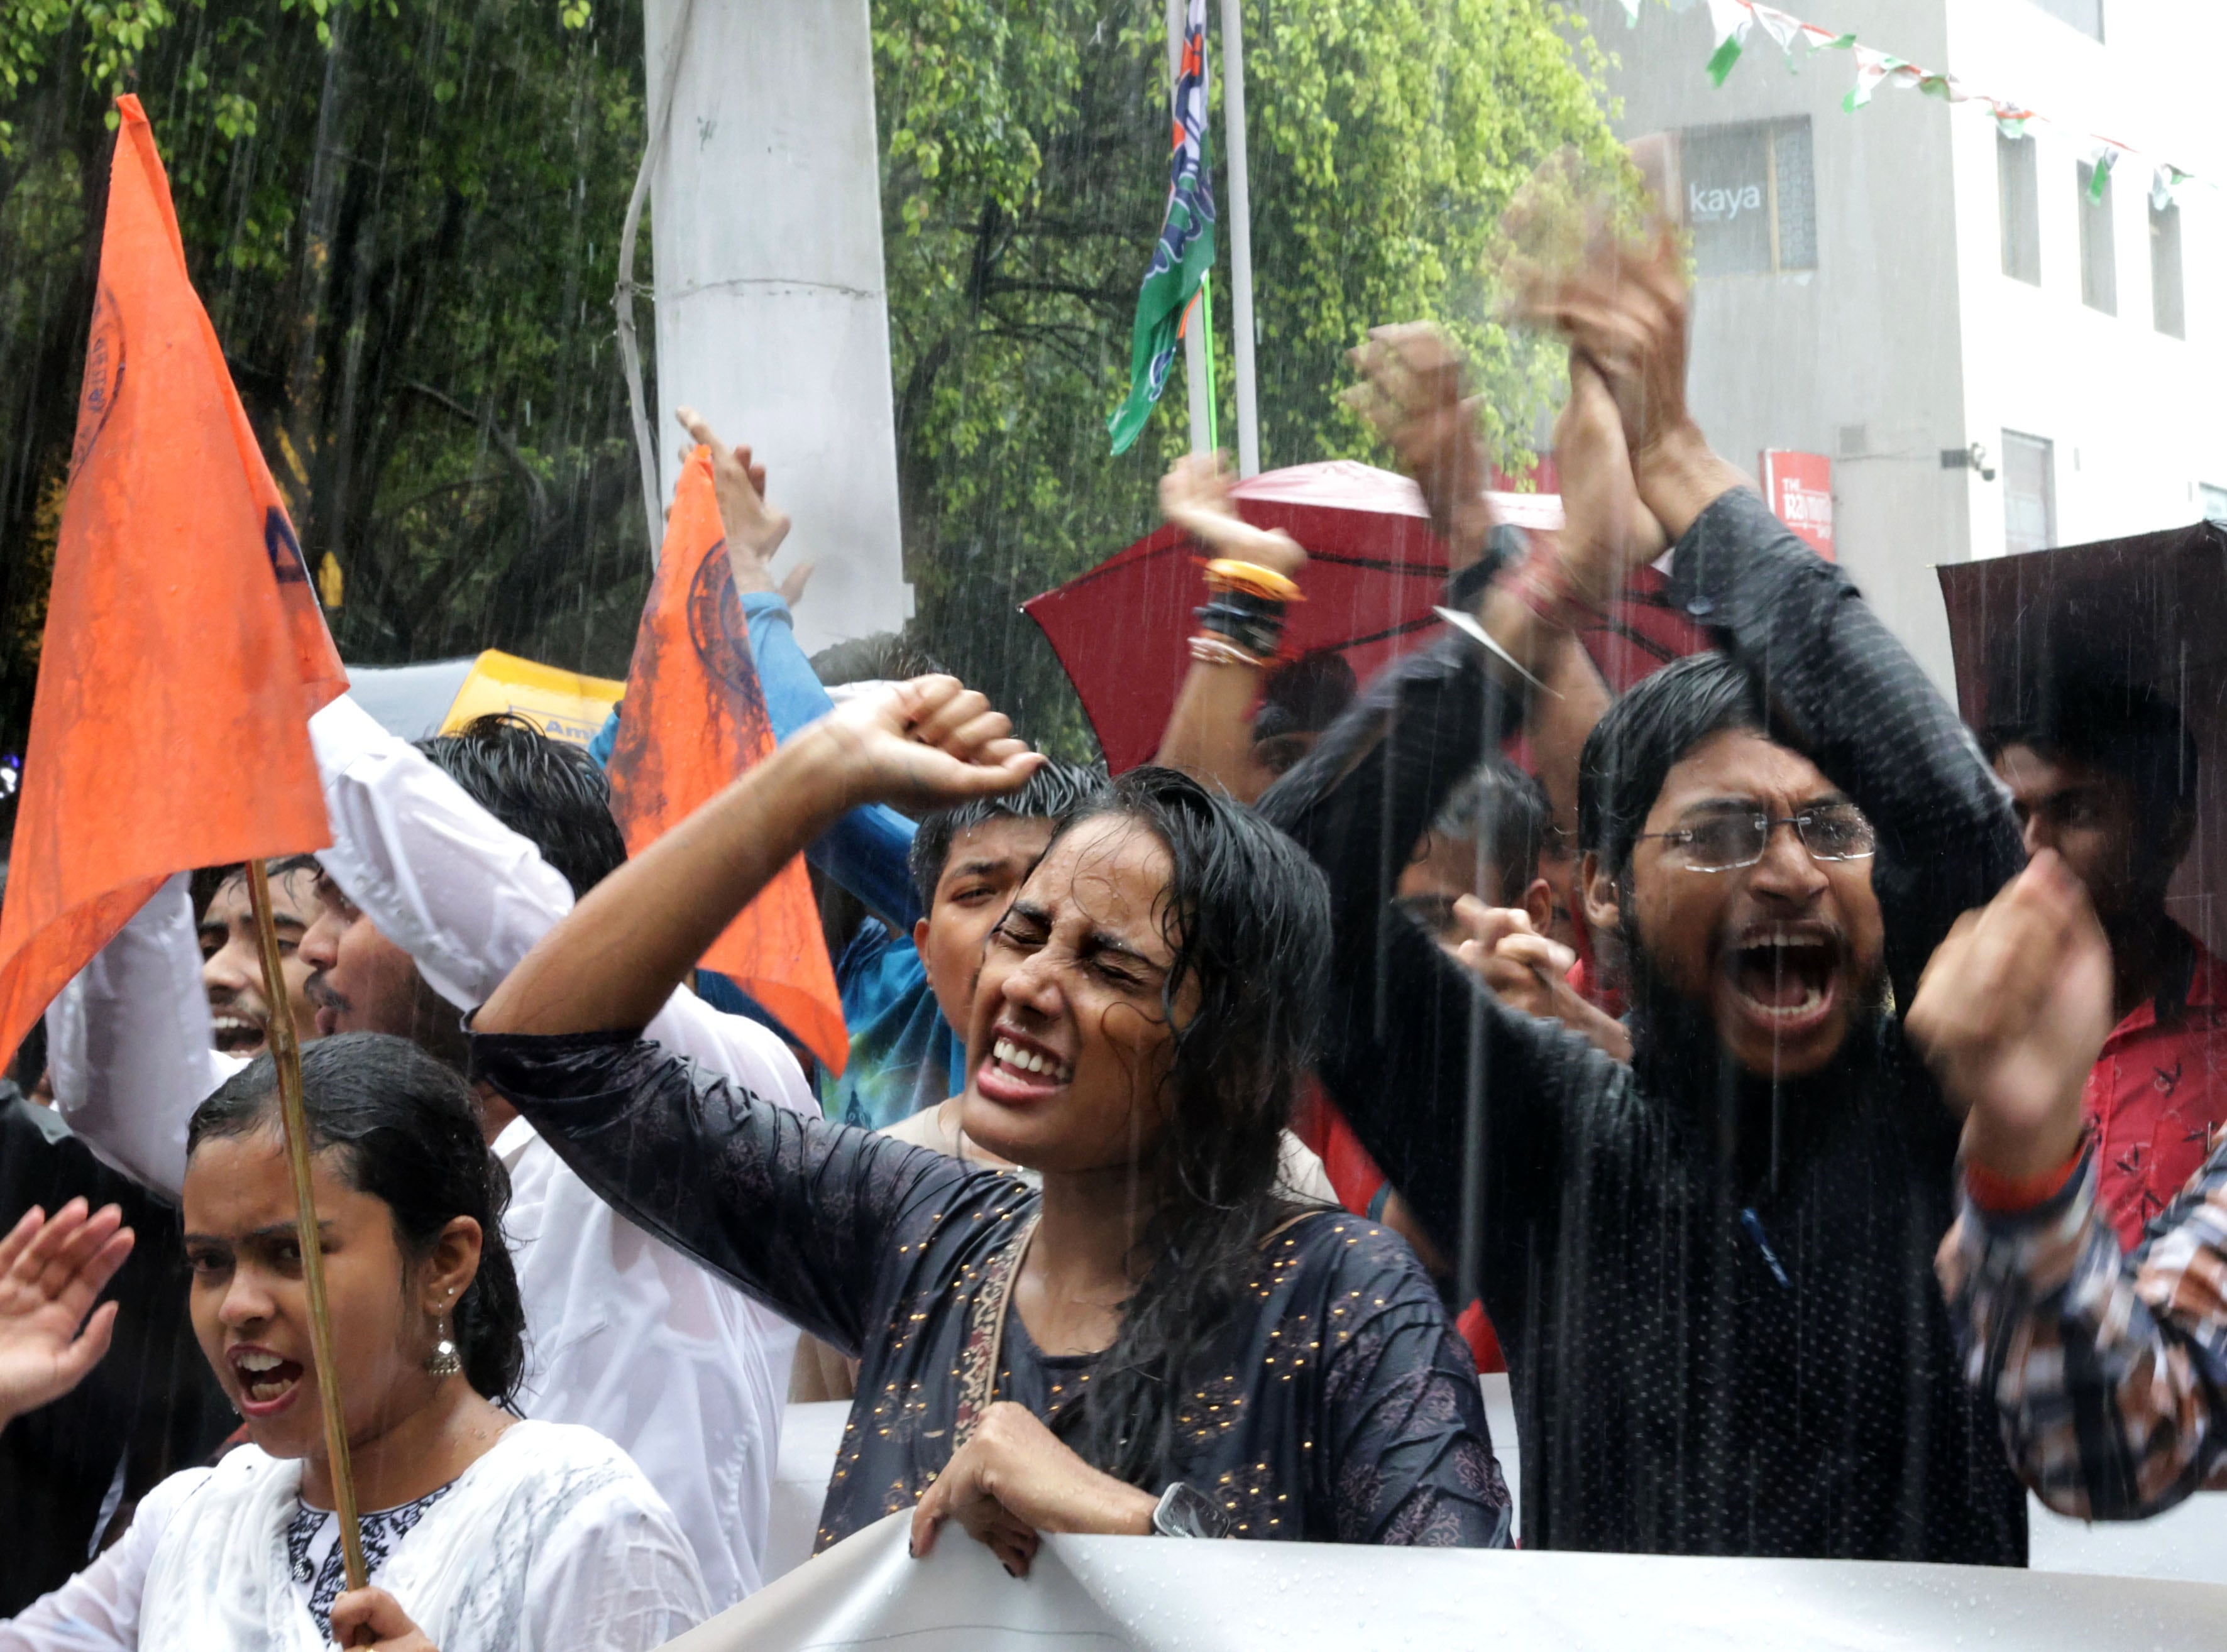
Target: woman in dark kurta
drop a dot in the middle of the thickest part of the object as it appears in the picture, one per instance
(1157, 1341)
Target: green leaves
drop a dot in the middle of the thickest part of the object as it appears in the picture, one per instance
(1025, 171)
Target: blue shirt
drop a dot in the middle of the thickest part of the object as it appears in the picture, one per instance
(904, 1054)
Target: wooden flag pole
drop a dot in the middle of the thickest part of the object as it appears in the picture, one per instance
(286, 1056)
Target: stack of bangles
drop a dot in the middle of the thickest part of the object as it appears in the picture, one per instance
(1243, 623)
(1542, 584)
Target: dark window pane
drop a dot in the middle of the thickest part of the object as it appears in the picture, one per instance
(2018, 186)
(1727, 173)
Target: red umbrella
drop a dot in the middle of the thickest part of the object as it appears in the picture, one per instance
(1375, 572)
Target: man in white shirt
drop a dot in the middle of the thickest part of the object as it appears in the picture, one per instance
(432, 900)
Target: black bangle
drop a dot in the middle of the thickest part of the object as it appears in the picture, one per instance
(1256, 632)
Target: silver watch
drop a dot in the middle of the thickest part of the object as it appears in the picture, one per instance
(1185, 1511)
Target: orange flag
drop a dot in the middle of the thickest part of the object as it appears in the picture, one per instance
(184, 650)
(694, 718)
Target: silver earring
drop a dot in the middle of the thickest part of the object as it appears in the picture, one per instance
(442, 1362)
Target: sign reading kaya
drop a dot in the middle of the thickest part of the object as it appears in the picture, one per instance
(1800, 488)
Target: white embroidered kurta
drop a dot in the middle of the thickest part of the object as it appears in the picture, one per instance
(624, 1335)
(553, 1540)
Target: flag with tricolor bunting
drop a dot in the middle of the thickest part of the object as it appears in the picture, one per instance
(1184, 251)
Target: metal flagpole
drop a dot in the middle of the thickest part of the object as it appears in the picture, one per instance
(1240, 237)
(286, 1056)
(1195, 339)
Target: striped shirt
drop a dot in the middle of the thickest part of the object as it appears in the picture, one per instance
(2108, 1368)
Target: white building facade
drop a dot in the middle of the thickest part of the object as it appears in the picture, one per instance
(1990, 359)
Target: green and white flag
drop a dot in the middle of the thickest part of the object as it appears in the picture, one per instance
(1184, 251)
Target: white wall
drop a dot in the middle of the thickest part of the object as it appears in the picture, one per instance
(2135, 414)
(1860, 359)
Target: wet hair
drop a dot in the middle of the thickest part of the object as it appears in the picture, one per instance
(1304, 696)
(1507, 810)
(208, 881)
(1054, 792)
(2124, 729)
(1633, 748)
(885, 657)
(403, 1128)
(1247, 914)
(549, 792)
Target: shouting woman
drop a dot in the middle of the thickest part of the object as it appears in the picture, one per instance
(485, 1532)
(1158, 1341)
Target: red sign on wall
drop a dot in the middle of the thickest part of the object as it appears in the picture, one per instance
(1800, 488)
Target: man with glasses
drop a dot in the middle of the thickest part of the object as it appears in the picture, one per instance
(1711, 1267)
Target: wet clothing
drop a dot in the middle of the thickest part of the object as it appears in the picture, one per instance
(71, 1471)
(2110, 1370)
(1716, 1298)
(903, 1055)
(1346, 1411)
(2159, 1091)
(552, 1540)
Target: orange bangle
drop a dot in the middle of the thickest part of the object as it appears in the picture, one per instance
(2008, 1196)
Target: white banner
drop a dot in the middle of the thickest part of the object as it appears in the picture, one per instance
(1098, 1594)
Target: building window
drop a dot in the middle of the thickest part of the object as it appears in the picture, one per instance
(2099, 271)
(2214, 501)
(2029, 493)
(1750, 197)
(2086, 15)
(2018, 187)
(2166, 306)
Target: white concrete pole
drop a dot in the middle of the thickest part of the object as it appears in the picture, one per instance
(1194, 340)
(1240, 219)
(772, 314)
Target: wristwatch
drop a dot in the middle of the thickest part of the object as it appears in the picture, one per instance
(1185, 1511)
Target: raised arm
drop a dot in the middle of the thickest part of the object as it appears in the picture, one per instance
(1413, 1035)
(1210, 732)
(793, 1209)
(623, 949)
(130, 1046)
(2108, 1371)
(864, 849)
(796, 1211)
(1851, 696)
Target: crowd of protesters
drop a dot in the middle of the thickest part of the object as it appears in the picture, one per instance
(1808, 1104)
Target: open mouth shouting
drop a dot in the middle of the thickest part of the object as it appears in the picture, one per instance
(1020, 1069)
(237, 1034)
(1786, 978)
(268, 1381)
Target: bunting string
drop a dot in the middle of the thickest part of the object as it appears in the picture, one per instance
(1731, 21)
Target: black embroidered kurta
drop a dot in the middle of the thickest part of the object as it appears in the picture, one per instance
(1710, 1354)
(1346, 1410)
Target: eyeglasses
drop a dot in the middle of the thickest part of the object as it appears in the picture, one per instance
(1731, 838)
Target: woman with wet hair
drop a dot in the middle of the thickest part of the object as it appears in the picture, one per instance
(482, 1533)
(1156, 1341)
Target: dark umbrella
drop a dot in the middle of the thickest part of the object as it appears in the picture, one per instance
(2150, 610)
(1375, 572)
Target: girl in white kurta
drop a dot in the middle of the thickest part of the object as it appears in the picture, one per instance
(485, 1534)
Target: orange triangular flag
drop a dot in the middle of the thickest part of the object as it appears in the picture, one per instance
(694, 718)
(184, 650)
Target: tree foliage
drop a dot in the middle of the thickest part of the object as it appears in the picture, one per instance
(403, 216)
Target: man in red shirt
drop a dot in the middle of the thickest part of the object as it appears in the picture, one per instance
(2104, 773)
